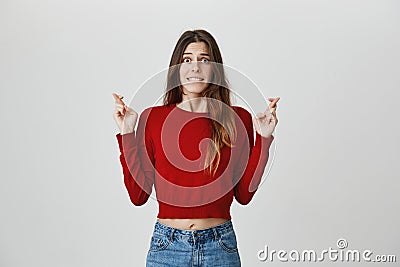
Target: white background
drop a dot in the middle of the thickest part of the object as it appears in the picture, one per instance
(335, 65)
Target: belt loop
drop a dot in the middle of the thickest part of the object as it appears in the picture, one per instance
(215, 233)
(172, 235)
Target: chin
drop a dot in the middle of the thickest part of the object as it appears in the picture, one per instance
(194, 89)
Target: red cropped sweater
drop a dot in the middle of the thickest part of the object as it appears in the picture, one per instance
(168, 151)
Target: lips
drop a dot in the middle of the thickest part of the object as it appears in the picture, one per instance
(195, 79)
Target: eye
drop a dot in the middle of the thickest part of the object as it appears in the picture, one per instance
(186, 60)
(205, 60)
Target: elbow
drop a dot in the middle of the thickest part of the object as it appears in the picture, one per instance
(138, 202)
(243, 200)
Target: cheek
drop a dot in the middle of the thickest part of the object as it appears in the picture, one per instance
(208, 74)
(183, 72)
(184, 69)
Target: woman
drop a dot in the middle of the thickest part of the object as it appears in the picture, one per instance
(194, 226)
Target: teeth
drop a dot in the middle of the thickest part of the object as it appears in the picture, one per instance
(195, 79)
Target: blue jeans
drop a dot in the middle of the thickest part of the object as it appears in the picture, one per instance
(215, 246)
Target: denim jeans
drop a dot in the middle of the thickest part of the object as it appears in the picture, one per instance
(172, 247)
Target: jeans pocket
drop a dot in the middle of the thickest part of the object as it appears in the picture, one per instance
(158, 242)
(228, 241)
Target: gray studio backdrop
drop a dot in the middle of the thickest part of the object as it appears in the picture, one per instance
(335, 65)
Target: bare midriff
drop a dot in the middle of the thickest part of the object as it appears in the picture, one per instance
(192, 224)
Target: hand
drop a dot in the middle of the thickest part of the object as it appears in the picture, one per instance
(265, 123)
(124, 116)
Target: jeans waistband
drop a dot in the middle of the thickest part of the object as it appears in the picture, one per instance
(212, 232)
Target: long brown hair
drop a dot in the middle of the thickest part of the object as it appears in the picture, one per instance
(223, 120)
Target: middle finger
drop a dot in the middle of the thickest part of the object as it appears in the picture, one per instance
(118, 99)
(274, 103)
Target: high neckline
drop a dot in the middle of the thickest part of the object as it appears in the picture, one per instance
(187, 111)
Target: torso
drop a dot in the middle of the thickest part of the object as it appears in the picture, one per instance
(192, 224)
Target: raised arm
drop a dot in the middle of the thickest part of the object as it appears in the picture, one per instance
(137, 161)
(136, 156)
(251, 162)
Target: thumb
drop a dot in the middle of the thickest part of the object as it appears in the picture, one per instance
(260, 115)
(129, 110)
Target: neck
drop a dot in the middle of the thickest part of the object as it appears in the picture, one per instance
(194, 103)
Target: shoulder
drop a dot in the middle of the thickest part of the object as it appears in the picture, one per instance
(156, 110)
(154, 113)
(244, 127)
(243, 113)
(240, 109)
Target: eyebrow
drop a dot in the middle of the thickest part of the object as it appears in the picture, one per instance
(202, 54)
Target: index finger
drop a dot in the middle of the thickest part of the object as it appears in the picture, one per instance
(118, 98)
(273, 103)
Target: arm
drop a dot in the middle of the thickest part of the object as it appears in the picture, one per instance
(251, 162)
(137, 161)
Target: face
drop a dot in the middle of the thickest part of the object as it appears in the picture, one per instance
(195, 70)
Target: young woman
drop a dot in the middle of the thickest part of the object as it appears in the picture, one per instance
(198, 151)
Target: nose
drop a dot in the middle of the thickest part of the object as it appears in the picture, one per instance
(195, 67)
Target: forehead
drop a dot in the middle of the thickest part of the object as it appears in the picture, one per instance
(196, 48)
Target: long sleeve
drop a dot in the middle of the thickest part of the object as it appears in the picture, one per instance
(137, 161)
(251, 164)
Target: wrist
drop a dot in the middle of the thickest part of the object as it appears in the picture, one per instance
(264, 135)
(126, 131)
